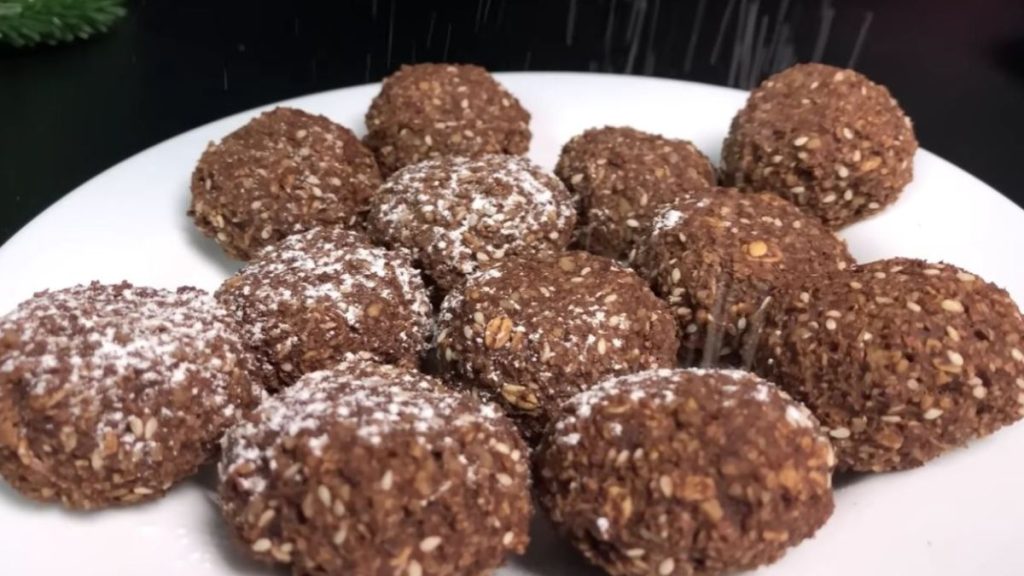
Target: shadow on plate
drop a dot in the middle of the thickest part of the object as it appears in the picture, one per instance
(209, 249)
(550, 554)
(10, 496)
(841, 480)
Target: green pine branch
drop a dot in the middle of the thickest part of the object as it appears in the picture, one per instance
(30, 22)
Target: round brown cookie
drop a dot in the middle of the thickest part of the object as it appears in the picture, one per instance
(284, 172)
(827, 139)
(620, 176)
(310, 299)
(683, 472)
(717, 257)
(429, 110)
(901, 359)
(109, 394)
(530, 333)
(457, 214)
(368, 469)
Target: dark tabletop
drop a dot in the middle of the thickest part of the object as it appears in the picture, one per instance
(69, 112)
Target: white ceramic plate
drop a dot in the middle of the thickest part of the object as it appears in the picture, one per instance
(962, 514)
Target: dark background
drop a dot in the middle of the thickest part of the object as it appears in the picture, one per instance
(69, 112)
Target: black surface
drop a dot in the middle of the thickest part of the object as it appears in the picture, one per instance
(69, 112)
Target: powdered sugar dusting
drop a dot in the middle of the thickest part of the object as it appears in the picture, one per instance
(650, 386)
(119, 355)
(335, 282)
(459, 214)
(374, 401)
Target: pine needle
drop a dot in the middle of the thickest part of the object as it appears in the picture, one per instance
(31, 22)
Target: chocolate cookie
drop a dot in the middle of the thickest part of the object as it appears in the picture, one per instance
(368, 469)
(430, 110)
(284, 172)
(901, 359)
(458, 214)
(621, 176)
(110, 394)
(827, 139)
(684, 472)
(307, 301)
(717, 257)
(530, 333)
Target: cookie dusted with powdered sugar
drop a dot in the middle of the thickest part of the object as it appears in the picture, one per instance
(619, 177)
(307, 301)
(718, 256)
(110, 394)
(284, 172)
(457, 215)
(429, 110)
(368, 469)
(902, 360)
(685, 472)
(532, 332)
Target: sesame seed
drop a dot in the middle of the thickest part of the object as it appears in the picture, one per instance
(340, 535)
(676, 275)
(324, 494)
(142, 491)
(952, 333)
(1020, 382)
(610, 298)
(838, 76)
(830, 324)
(848, 195)
(666, 567)
(467, 331)
(300, 134)
(636, 552)
(665, 484)
(913, 306)
(266, 517)
(955, 357)
(954, 306)
(814, 84)
(602, 346)
(138, 428)
(632, 223)
(576, 178)
(856, 285)
(842, 171)
(503, 479)
(261, 545)
(387, 480)
(829, 198)
(430, 543)
(833, 314)
(776, 159)
(839, 433)
(151, 426)
(932, 413)
(464, 103)
(979, 392)
(874, 205)
(913, 384)
(797, 190)
(1017, 354)
(757, 248)
(891, 418)
(800, 141)
(847, 133)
